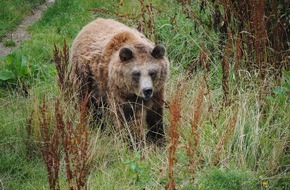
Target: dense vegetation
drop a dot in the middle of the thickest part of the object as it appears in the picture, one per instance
(228, 97)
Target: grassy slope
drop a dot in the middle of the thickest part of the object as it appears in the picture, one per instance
(12, 12)
(255, 147)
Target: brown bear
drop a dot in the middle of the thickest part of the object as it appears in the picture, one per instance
(123, 71)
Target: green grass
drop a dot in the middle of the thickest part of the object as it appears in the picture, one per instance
(253, 157)
(13, 11)
(227, 179)
(9, 43)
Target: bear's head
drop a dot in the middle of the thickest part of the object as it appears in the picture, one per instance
(139, 70)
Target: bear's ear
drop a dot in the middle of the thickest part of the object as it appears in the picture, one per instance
(125, 54)
(158, 52)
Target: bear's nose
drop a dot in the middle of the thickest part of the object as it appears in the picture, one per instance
(147, 92)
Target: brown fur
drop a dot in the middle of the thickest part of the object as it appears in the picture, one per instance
(97, 67)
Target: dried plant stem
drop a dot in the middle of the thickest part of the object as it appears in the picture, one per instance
(195, 122)
(175, 115)
(61, 60)
(50, 151)
(174, 136)
(238, 54)
(260, 34)
(73, 140)
(226, 68)
(147, 24)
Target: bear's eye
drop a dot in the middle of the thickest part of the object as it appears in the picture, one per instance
(153, 74)
(136, 75)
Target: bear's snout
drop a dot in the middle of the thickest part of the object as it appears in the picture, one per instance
(147, 93)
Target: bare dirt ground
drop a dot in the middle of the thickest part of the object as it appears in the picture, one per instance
(20, 33)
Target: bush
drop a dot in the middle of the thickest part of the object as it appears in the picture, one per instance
(221, 179)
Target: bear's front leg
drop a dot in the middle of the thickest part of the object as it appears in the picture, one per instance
(132, 119)
(154, 121)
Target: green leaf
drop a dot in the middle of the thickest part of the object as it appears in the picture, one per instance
(7, 75)
(280, 90)
(23, 61)
(134, 167)
(9, 58)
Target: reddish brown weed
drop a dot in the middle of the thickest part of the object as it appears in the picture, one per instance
(192, 147)
(175, 116)
(72, 139)
(61, 60)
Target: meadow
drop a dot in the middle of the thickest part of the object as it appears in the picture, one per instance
(227, 112)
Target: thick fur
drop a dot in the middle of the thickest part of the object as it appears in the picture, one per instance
(116, 64)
